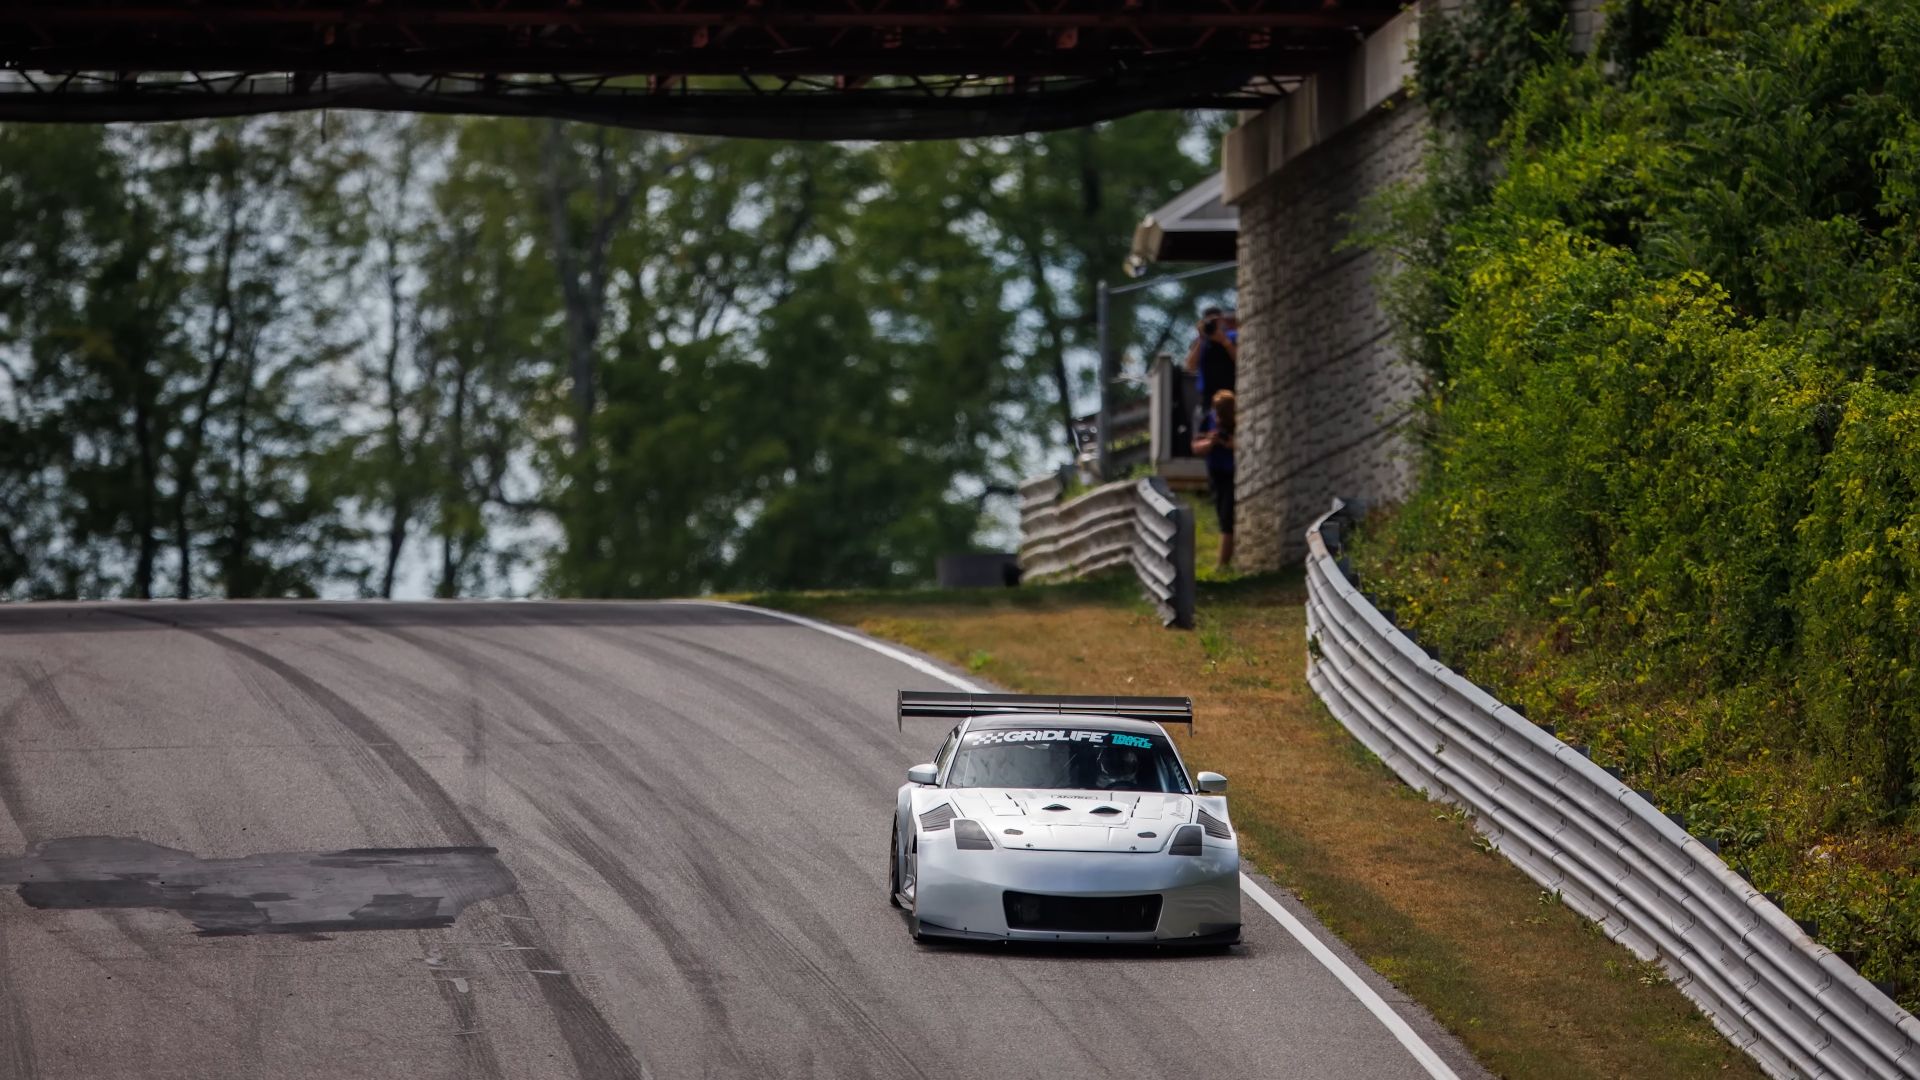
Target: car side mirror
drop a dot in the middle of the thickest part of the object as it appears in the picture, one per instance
(923, 774)
(1211, 782)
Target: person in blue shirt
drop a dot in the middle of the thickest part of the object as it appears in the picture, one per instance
(1214, 352)
(1215, 440)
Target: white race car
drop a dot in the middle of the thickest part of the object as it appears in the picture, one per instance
(1063, 819)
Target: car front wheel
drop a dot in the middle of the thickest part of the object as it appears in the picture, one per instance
(893, 867)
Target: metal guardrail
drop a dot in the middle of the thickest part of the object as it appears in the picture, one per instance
(1133, 523)
(1791, 1004)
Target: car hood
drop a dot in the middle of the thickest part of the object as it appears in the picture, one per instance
(1051, 820)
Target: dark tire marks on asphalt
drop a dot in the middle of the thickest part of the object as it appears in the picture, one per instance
(37, 690)
(836, 1008)
(16, 1037)
(597, 1050)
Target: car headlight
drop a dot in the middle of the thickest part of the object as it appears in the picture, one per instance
(970, 835)
(1186, 840)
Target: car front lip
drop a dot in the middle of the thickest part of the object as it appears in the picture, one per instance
(958, 893)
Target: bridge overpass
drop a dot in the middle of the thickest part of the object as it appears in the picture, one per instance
(783, 68)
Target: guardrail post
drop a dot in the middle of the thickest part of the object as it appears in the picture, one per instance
(1104, 438)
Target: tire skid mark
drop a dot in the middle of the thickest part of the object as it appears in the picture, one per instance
(16, 1049)
(473, 735)
(846, 1011)
(259, 992)
(573, 728)
(476, 1050)
(694, 969)
(597, 1050)
(358, 774)
(142, 979)
(779, 959)
(716, 832)
(615, 690)
(685, 794)
(39, 692)
(78, 948)
(12, 796)
(1092, 1053)
(1174, 1035)
(422, 699)
(46, 698)
(716, 666)
(427, 792)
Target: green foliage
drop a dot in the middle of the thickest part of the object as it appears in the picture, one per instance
(1672, 502)
(1472, 59)
(153, 351)
(284, 355)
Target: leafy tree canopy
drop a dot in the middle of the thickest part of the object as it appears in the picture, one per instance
(289, 355)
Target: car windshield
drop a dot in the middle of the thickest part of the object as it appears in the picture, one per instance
(1072, 758)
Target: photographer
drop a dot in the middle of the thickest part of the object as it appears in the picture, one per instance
(1214, 353)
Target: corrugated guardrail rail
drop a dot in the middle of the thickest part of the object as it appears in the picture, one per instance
(1797, 1008)
(1127, 522)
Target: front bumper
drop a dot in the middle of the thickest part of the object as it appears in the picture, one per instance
(959, 894)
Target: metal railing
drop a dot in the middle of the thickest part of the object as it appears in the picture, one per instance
(1133, 523)
(1794, 1006)
(1129, 438)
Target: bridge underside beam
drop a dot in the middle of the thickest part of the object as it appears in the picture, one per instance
(837, 68)
(933, 109)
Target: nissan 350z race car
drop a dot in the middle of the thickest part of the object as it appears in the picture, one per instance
(1063, 819)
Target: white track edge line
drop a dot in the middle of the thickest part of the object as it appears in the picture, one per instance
(917, 663)
(1392, 1021)
(1351, 979)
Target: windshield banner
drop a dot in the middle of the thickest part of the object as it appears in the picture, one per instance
(1067, 735)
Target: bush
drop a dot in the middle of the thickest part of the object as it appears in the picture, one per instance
(1674, 439)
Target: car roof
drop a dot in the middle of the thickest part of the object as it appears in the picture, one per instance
(994, 721)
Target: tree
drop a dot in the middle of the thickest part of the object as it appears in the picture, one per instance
(279, 355)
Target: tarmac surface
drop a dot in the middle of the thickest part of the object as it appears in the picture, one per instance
(490, 840)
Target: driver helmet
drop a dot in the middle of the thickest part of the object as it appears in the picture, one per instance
(1119, 765)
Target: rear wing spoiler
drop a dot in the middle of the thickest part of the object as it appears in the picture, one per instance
(948, 705)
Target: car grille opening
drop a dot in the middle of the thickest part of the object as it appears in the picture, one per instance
(940, 817)
(1083, 914)
(1215, 827)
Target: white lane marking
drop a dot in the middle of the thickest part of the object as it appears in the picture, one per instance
(1351, 979)
(1355, 985)
(916, 663)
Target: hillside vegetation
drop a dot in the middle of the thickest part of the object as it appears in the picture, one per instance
(1670, 305)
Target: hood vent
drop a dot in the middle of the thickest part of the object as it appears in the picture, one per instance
(1106, 810)
(1053, 806)
(1215, 827)
(940, 817)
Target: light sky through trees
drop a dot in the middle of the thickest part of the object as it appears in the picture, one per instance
(367, 354)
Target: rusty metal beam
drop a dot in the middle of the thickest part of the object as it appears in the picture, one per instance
(1044, 61)
(110, 16)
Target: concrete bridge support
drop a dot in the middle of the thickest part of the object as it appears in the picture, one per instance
(1326, 399)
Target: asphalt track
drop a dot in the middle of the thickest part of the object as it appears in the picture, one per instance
(689, 805)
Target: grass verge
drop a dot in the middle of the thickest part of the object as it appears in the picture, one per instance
(1533, 990)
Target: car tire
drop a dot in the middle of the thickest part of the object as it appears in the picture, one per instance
(893, 867)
